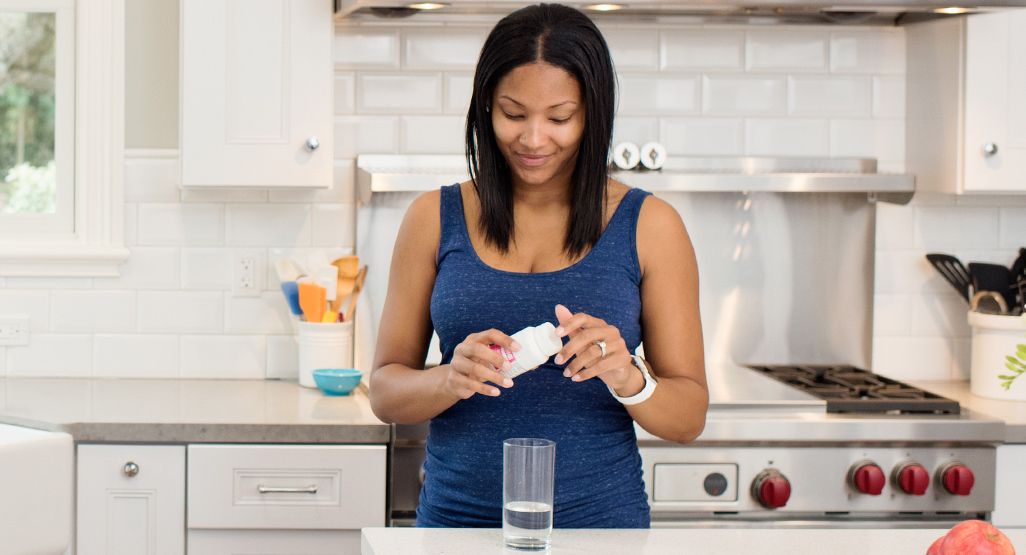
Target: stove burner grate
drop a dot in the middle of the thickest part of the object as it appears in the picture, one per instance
(851, 389)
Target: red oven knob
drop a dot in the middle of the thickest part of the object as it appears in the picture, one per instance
(912, 478)
(868, 478)
(771, 489)
(957, 479)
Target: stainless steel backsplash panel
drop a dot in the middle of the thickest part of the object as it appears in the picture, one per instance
(784, 277)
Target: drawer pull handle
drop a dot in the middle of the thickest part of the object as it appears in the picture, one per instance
(307, 489)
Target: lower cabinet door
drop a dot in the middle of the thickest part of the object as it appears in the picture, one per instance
(131, 499)
(274, 542)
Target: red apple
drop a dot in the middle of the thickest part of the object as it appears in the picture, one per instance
(935, 547)
(975, 537)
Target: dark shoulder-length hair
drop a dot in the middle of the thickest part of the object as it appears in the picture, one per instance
(565, 38)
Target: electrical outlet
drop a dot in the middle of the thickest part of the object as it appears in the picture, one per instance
(14, 331)
(246, 273)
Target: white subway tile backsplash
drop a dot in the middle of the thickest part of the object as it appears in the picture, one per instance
(956, 228)
(266, 314)
(944, 314)
(906, 271)
(449, 49)
(343, 187)
(151, 179)
(282, 357)
(92, 311)
(658, 95)
(867, 51)
(180, 312)
(633, 48)
(131, 224)
(3, 372)
(813, 95)
(889, 96)
(892, 314)
(146, 268)
(894, 226)
(223, 194)
(52, 356)
(637, 130)
(261, 225)
(459, 88)
(883, 139)
(223, 356)
(786, 50)
(181, 224)
(207, 269)
(728, 95)
(702, 136)
(332, 225)
(399, 93)
(345, 92)
(366, 135)
(691, 49)
(786, 137)
(1012, 233)
(135, 356)
(432, 134)
(35, 305)
(364, 48)
(49, 283)
(913, 358)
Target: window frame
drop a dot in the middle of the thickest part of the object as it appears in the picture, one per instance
(95, 246)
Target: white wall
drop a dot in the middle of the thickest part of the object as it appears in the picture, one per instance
(402, 88)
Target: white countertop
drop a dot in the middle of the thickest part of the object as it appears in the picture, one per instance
(693, 541)
(1013, 413)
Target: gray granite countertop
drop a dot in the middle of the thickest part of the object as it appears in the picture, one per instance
(1013, 413)
(189, 411)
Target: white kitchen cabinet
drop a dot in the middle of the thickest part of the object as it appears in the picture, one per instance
(256, 93)
(131, 499)
(1009, 501)
(311, 498)
(965, 119)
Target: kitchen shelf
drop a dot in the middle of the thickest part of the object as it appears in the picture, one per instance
(411, 173)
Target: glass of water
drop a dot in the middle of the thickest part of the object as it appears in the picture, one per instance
(528, 466)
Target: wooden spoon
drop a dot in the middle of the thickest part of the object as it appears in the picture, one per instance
(348, 269)
(356, 293)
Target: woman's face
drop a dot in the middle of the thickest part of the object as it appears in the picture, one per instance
(538, 117)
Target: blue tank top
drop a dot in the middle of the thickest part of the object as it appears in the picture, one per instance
(598, 469)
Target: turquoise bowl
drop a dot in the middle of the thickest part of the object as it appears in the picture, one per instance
(337, 381)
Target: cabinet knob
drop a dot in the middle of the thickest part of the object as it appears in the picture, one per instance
(131, 469)
(312, 143)
(990, 149)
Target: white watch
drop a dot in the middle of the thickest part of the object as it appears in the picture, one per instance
(645, 392)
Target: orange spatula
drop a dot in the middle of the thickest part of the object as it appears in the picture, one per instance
(312, 298)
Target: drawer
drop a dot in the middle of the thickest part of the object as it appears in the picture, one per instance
(315, 487)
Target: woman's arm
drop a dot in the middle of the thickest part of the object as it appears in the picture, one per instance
(400, 390)
(671, 328)
(671, 332)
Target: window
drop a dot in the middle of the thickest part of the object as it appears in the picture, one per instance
(61, 137)
(37, 120)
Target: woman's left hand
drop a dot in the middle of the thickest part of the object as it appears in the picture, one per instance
(585, 334)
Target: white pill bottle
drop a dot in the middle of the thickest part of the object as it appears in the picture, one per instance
(537, 344)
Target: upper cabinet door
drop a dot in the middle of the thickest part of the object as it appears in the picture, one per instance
(256, 93)
(995, 113)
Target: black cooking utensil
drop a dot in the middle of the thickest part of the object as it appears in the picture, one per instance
(955, 272)
(1018, 273)
(993, 277)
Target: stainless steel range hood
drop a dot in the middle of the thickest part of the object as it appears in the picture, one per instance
(408, 173)
(861, 12)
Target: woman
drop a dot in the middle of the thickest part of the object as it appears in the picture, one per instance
(541, 234)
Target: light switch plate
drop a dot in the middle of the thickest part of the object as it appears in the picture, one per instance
(14, 330)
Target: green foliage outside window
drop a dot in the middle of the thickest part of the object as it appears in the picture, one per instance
(27, 112)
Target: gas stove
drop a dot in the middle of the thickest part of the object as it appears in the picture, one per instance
(850, 389)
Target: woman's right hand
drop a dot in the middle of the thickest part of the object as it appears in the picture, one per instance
(474, 362)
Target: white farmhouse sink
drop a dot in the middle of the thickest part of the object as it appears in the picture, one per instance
(35, 491)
